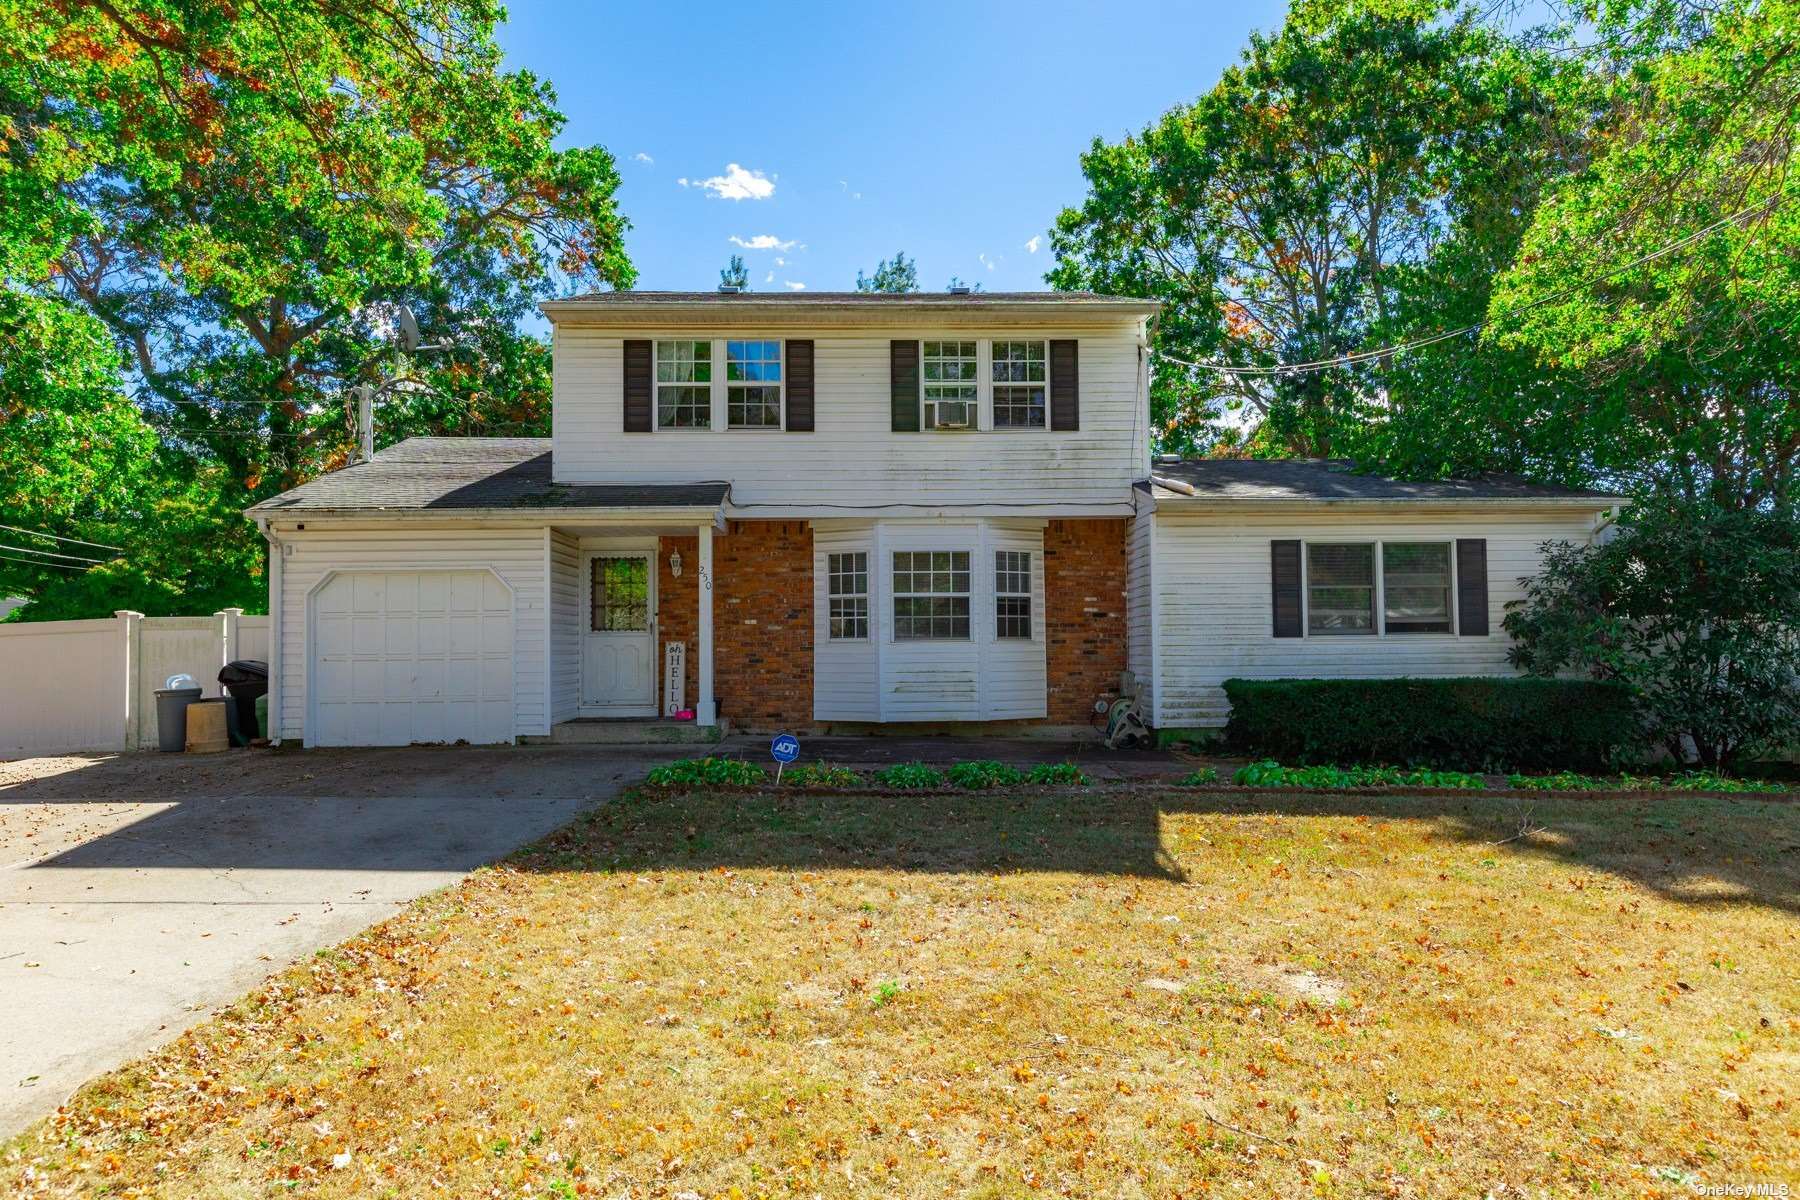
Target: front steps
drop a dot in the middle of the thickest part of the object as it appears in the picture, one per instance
(643, 731)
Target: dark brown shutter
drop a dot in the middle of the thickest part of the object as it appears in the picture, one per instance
(1284, 575)
(1065, 384)
(799, 387)
(903, 362)
(1471, 587)
(638, 401)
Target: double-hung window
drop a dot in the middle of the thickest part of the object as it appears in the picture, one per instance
(931, 594)
(1020, 379)
(753, 384)
(1413, 597)
(1415, 587)
(1012, 594)
(1340, 588)
(684, 385)
(952, 396)
(847, 584)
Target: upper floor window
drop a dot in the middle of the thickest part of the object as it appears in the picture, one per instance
(684, 385)
(931, 594)
(1020, 377)
(951, 370)
(753, 385)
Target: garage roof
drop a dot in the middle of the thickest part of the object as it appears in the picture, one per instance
(480, 474)
(1334, 479)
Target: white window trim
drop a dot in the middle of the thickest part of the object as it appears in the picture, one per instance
(1380, 632)
(1029, 594)
(973, 595)
(984, 385)
(719, 388)
(867, 595)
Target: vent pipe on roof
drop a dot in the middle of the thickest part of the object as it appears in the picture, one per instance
(730, 289)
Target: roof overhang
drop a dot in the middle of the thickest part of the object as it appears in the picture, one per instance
(947, 312)
(530, 518)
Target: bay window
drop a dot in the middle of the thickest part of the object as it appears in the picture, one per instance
(847, 587)
(931, 594)
(1012, 593)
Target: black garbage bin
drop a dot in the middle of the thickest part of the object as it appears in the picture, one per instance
(244, 679)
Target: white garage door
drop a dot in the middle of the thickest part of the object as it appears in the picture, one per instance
(403, 657)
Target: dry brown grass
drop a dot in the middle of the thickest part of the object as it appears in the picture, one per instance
(1089, 994)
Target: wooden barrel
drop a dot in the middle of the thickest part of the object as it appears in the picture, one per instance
(206, 730)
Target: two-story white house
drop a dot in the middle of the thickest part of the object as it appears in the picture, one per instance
(834, 511)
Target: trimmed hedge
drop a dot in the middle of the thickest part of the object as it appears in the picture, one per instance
(1475, 724)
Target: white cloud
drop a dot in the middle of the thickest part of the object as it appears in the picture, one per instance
(769, 278)
(985, 261)
(640, 156)
(780, 261)
(735, 184)
(844, 186)
(791, 286)
(1031, 247)
(762, 241)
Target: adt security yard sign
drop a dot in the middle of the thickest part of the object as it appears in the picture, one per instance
(785, 748)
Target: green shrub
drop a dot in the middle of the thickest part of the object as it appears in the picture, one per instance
(1196, 778)
(821, 775)
(977, 776)
(1712, 781)
(706, 772)
(1059, 773)
(912, 777)
(1563, 781)
(1269, 773)
(1502, 724)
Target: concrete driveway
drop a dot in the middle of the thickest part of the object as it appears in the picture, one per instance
(139, 892)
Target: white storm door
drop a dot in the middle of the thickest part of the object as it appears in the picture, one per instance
(618, 649)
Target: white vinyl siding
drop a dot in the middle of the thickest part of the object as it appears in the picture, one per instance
(1140, 621)
(565, 627)
(980, 677)
(516, 556)
(853, 458)
(1212, 603)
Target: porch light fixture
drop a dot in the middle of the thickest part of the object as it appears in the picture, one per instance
(675, 564)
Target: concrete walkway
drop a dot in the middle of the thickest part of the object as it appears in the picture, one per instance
(139, 892)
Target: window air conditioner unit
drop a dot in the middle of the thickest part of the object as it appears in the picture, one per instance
(953, 414)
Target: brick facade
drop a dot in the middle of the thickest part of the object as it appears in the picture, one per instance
(763, 619)
(1085, 563)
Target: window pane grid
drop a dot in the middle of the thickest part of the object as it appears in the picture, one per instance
(1340, 587)
(683, 384)
(753, 384)
(847, 582)
(931, 594)
(1012, 593)
(620, 600)
(1019, 371)
(950, 372)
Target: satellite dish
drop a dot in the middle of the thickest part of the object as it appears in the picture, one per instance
(409, 329)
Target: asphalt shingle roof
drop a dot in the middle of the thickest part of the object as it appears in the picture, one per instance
(448, 474)
(866, 299)
(1333, 479)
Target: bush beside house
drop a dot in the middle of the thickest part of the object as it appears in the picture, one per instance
(1476, 724)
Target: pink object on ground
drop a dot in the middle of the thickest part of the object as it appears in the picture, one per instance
(686, 714)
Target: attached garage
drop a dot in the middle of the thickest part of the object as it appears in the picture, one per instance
(400, 657)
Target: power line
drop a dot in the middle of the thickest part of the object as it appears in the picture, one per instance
(39, 563)
(53, 554)
(1362, 356)
(57, 537)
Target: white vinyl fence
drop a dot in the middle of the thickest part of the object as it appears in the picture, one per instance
(67, 686)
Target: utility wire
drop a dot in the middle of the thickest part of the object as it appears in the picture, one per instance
(40, 563)
(52, 554)
(57, 537)
(1361, 356)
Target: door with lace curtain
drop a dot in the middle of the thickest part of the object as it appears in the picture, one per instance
(618, 649)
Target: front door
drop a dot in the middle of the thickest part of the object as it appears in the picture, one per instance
(618, 651)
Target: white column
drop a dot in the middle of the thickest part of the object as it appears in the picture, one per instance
(131, 626)
(704, 713)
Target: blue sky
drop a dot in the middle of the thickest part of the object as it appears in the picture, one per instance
(950, 130)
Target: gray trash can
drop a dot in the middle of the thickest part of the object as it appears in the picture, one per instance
(171, 717)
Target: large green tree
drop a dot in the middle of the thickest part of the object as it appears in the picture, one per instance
(241, 197)
(1665, 272)
(1285, 217)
